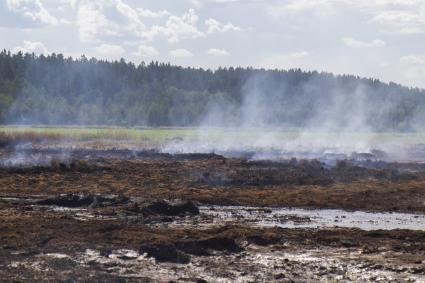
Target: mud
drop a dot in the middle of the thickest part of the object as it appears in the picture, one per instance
(126, 216)
(50, 245)
(81, 200)
(163, 207)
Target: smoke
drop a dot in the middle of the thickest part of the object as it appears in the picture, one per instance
(21, 159)
(314, 118)
(258, 113)
(24, 156)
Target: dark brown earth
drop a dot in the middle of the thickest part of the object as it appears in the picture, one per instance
(213, 179)
(33, 240)
(102, 216)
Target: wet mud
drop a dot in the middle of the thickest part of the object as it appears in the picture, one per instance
(125, 216)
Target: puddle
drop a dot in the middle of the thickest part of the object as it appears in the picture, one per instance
(211, 215)
(56, 255)
(314, 218)
(279, 217)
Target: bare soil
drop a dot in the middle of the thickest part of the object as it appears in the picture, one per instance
(213, 179)
(112, 216)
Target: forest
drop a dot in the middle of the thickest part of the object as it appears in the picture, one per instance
(59, 90)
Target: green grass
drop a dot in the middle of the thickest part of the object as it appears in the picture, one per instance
(161, 135)
(101, 133)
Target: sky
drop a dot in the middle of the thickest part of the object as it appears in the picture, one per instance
(382, 39)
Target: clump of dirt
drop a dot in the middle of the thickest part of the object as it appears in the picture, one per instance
(179, 251)
(116, 206)
(83, 200)
(163, 207)
(164, 253)
(204, 246)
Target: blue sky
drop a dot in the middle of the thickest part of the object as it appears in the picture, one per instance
(383, 39)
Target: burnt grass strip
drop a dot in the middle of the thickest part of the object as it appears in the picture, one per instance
(213, 179)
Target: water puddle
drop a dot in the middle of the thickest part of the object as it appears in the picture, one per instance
(211, 215)
(278, 217)
(302, 218)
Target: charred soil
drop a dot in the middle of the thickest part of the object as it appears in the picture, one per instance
(113, 216)
(213, 179)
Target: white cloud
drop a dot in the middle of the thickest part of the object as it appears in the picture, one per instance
(181, 53)
(110, 51)
(31, 9)
(131, 15)
(92, 22)
(320, 8)
(146, 51)
(218, 52)
(351, 42)
(72, 3)
(328, 7)
(385, 3)
(402, 21)
(180, 27)
(215, 26)
(146, 13)
(413, 60)
(196, 3)
(128, 21)
(36, 47)
(405, 15)
(200, 3)
(228, 1)
(175, 28)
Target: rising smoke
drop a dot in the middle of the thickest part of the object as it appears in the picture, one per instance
(338, 122)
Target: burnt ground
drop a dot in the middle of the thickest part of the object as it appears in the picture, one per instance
(102, 216)
(213, 179)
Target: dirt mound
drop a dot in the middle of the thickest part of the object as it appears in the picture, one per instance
(164, 253)
(205, 246)
(167, 208)
(83, 200)
(262, 240)
(179, 252)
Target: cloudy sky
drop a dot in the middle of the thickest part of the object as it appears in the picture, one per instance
(383, 39)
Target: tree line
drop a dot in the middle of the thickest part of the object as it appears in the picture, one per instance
(54, 89)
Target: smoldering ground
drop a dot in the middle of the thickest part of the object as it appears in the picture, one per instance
(115, 216)
(325, 120)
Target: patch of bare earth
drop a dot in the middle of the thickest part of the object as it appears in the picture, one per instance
(102, 217)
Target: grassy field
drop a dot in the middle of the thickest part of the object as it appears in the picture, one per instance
(161, 135)
(92, 134)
